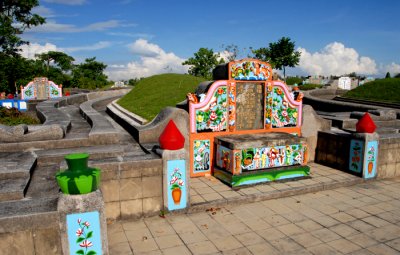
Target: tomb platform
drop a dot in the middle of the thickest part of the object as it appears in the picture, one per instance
(248, 159)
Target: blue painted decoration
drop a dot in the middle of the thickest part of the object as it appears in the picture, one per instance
(84, 234)
(370, 159)
(356, 155)
(177, 182)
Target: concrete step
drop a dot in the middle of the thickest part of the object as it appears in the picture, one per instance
(13, 189)
(28, 206)
(47, 157)
(16, 165)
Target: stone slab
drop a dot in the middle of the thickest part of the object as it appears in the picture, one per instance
(16, 165)
(12, 189)
(239, 142)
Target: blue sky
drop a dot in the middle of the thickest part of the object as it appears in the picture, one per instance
(138, 38)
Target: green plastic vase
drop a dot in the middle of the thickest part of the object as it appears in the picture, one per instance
(78, 178)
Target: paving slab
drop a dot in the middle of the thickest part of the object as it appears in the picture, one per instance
(262, 228)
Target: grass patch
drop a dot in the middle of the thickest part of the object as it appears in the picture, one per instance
(150, 95)
(13, 117)
(310, 86)
(382, 90)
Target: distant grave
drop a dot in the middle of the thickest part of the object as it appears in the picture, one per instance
(41, 89)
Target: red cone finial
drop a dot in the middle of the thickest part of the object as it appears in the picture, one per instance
(171, 138)
(365, 124)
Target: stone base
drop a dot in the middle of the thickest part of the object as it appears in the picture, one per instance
(76, 205)
(261, 176)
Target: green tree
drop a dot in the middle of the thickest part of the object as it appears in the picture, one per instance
(279, 54)
(15, 17)
(397, 75)
(59, 59)
(89, 74)
(387, 75)
(203, 62)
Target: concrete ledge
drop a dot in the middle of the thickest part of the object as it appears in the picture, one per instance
(312, 98)
(101, 127)
(149, 133)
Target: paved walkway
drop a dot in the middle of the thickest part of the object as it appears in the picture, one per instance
(360, 219)
(209, 191)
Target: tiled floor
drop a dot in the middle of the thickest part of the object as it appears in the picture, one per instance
(358, 219)
(209, 191)
(345, 216)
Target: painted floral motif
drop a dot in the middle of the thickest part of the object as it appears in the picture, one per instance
(250, 70)
(279, 113)
(214, 115)
(201, 155)
(29, 92)
(176, 179)
(355, 160)
(83, 234)
(371, 159)
(232, 107)
(269, 157)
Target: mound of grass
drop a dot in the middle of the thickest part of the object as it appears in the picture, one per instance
(152, 94)
(382, 90)
(13, 117)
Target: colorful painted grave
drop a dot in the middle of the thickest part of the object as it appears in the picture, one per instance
(243, 100)
(41, 89)
(253, 158)
(84, 235)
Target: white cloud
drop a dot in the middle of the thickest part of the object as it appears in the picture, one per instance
(143, 48)
(52, 26)
(29, 51)
(336, 59)
(93, 47)
(392, 68)
(153, 60)
(68, 2)
(43, 11)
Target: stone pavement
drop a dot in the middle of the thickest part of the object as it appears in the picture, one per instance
(359, 219)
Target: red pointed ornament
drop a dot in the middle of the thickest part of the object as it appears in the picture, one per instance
(365, 124)
(171, 138)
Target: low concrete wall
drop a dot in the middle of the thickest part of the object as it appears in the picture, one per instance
(132, 189)
(333, 150)
(313, 98)
(389, 157)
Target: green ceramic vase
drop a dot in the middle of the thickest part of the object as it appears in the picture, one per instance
(78, 178)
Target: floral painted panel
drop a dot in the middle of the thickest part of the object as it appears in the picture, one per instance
(250, 70)
(213, 117)
(356, 156)
(370, 159)
(176, 191)
(28, 92)
(269, 157)
(55, 91)
(84, 233)
(232, 107)
(279, 112)
(201, 155)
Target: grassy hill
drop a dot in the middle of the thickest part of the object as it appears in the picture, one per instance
(384, 90)
(154, 93)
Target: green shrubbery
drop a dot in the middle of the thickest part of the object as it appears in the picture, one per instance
(310, 86)
(12, 117)
(294, 80)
